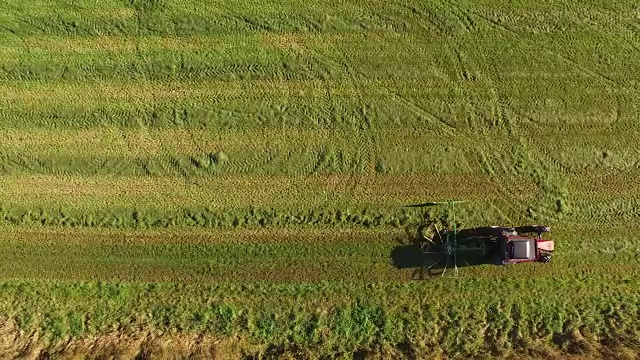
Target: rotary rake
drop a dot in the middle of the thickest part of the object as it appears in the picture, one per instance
(444, 249)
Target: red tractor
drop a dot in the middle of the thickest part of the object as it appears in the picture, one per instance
(511, 245)
(500, 245)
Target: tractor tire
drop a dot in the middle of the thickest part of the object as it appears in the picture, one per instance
(545, 258)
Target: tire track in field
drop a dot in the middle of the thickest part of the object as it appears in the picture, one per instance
(443, 19)
(329, 111)
(501, 120)
(466, 20)
(430, 17)
(501, 107)
(364, 143)
(634, 29)
(440, 124)
(514, 206)
(533, 166)
(25, 163)
(497, 25)
(370, 143)
(547, 171)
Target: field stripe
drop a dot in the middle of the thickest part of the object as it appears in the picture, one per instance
(241, 191)
(363, 256)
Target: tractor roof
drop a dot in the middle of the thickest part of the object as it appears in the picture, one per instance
(522, 247)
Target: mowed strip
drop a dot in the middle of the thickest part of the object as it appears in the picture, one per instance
(269, 255)
(575, 148)
(298, 151)
(127, 48)
(152, 92)
(144, 142)
(605, 185)
(334, 190)
(280, 256)
(605, 196)
(81, 237)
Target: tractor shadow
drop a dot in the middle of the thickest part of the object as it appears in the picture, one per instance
(408, 255)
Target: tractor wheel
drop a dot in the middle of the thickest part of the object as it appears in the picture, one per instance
(545, 258)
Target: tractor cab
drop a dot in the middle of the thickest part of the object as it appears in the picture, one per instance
(517, 249)
(522, 249)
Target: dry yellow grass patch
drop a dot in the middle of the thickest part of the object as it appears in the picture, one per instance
(290, 41)
(95, 236)
(162, 192)
(248, 190)
(125, 44)
(104, 141)
(149, 92)
(144, 142)
(395, 188)
(115, 44)
(605, 184)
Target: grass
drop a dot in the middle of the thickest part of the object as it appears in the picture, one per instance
(293, 316)
(329, 118)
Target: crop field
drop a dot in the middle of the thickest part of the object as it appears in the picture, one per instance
(215, 179)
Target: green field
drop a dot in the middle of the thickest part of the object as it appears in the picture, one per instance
(227, 179)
